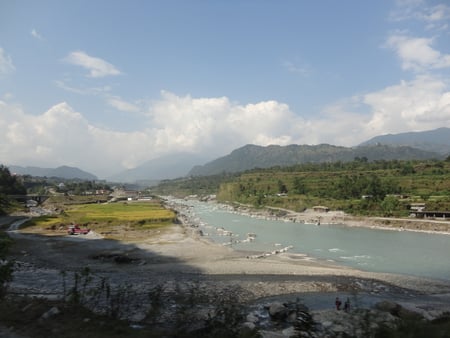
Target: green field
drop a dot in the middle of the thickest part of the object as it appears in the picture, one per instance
(106, 218)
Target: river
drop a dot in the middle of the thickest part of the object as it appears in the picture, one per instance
(375, 250)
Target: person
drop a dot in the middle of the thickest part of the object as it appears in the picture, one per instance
(338, 303)
(347, 305)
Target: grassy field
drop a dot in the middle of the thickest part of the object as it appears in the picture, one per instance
(107, 219)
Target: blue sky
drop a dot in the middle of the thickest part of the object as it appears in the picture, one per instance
(106, 85)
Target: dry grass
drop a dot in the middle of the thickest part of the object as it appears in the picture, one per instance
(112, 220)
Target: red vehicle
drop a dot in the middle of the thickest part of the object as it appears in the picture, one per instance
(75, 229)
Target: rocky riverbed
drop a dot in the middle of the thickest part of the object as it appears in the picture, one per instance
(177, 272)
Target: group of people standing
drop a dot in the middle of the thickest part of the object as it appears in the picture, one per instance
(338, 304)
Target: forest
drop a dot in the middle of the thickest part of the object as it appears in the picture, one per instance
(384, 188)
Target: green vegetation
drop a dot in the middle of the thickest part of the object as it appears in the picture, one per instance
(106, 218)
(360, 187)
(5, 266)
(196, 185)
(9, 185)
(366, 188)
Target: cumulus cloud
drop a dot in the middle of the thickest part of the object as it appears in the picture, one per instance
(97, 67)
(210, 124)
(6, 65)
(417, 53)
(215, 126)
(421, 104)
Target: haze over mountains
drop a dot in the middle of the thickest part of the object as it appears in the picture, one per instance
(436, 140)
(405, 146)
(432, 144)
(60, 172)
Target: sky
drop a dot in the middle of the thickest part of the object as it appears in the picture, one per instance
(107, 85)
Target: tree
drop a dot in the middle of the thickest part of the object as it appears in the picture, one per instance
(389, 205)
(6, 268)
(9, 184)
(282, 189)
(299, 185)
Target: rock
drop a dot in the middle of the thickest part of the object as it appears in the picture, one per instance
(271, 334)
(252, 318)
(327, 324)
(289, 332)
(50, 313)
(397, 310)
(249, 325)
(387, 306)
(278, 311)
(137, 317)
(27, 307)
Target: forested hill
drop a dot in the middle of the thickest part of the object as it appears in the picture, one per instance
(253, 156)
(437, 140)
(61, 172)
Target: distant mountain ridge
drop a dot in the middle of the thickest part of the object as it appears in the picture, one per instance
(60, 172)
(436, 140)
(253, 156)
(412, 145)
(164, 167)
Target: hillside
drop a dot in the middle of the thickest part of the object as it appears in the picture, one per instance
(60, 172)
(437, 140)
(253, 156)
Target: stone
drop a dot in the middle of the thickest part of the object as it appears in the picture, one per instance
(252, 318)
(50, 313)
(289, 332)
(249, 325)
(278, 311)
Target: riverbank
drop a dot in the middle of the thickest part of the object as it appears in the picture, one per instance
(319, 216)
(178, 259)
(281, 261)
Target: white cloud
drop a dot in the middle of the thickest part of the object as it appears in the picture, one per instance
(417, 53)
(215, 126)
(421, 104)
(419, 10)
(122, 105)
(83, 90)
(34, 33)
(97, 67)
(6, 65)
(211, 124)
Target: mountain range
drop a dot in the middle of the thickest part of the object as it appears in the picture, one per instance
(165, 167)
(60, 172)
(404, 146)
(252, 156)
(437, 140)
(432, 144)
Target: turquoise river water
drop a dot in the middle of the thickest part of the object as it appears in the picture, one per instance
(401, 252)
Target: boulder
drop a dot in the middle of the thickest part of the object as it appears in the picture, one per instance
(398, 311)
(278, 311)
(50, 313)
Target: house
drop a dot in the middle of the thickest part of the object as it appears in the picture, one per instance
(320, 208)
(417, 207)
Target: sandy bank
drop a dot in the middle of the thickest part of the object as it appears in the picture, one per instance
(180, 255)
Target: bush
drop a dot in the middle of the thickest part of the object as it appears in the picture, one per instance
(5, 266)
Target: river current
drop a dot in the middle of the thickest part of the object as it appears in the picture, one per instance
(376, 250)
